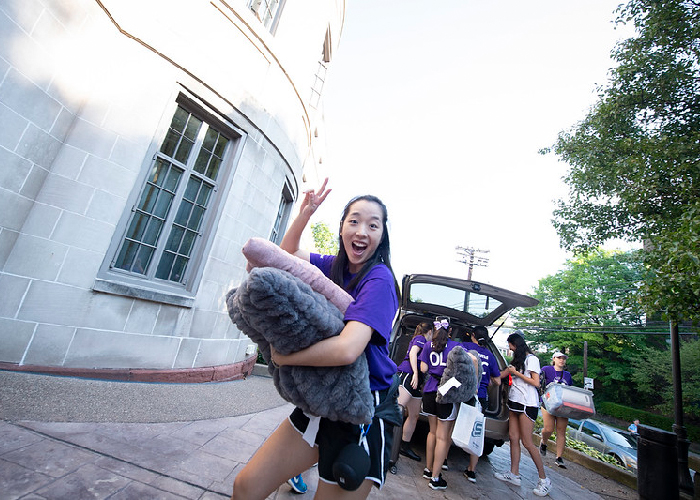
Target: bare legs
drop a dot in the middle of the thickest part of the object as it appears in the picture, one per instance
(520, 432)
(285, 454)
(270, 467)
(412, 406)
(550, 423)
(438, 443)
(473, 460)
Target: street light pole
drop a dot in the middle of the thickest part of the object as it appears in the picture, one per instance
(685, 483)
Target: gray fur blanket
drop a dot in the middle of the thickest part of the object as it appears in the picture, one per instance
(272, 307)
(462, 367)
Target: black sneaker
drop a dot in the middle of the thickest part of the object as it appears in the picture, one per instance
(444, 465)
(560, 462)
(470, 475)
(440, 484)
(543, 449)
(427, 474)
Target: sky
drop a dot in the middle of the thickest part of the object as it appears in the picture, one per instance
(441, 108)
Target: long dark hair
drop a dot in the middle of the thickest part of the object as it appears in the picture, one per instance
(381, 256)
(422, 328)
(481, 334)
(440, 337)
(520, 353)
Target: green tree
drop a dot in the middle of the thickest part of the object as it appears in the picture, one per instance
(635, 158)
(324, 240)
(652, 377)
(588, 301)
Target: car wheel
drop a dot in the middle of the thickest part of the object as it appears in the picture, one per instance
(619, 461)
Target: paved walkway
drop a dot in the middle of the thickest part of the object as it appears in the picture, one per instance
(63, 438)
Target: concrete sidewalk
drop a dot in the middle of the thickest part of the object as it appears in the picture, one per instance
(64, 438)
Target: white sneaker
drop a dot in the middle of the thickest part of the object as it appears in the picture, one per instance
(509, 477)
(543, 487)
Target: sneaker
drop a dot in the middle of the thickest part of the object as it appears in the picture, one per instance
(560, 462)
(406, 451)
(543, 449)
(470, 475)
(438, 484)
(444, 465)
(427, 474)
(508, 477)
(543, 487)
(297, 483)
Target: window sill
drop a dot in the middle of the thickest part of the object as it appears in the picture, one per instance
(119, 287)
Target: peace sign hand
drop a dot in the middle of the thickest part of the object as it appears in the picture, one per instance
(313, 199)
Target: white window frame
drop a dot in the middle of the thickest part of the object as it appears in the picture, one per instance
(268, 12)
(321, 70)
(283, 211)
(144, 284)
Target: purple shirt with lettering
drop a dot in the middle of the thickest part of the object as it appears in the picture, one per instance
(560, 377)
(436, 362)
(489, 366)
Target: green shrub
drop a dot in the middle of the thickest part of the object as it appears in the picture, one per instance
(592, 452)
(629, 414)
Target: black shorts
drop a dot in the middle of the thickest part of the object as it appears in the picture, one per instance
(406, 384)
(443, 411)
(333, 436)
(530, 411)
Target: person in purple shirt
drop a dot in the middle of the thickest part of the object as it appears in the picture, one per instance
(411, 388)
(363, 268)
(555, 373)
(490, 374)
(441, 416)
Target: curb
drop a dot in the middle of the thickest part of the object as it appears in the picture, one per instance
(604, 469)
(221, 373)
(260, 370)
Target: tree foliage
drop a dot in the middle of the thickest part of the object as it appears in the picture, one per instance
(324, 240)
(653, 379)
(635, 158)
(589, 301)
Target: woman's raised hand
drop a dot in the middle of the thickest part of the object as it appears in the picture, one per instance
(313, 199)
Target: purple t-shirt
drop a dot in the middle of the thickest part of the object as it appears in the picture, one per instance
(552, 375)
(405, 365)
(489, 366)
(436, 362)
(375, 305)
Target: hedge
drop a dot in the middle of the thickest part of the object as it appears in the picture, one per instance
(629, 414)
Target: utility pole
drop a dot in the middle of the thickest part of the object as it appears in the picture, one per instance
(468, 256)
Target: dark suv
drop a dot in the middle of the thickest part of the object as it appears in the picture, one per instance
(467, 304)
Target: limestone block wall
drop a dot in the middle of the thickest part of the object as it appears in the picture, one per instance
(87, 90)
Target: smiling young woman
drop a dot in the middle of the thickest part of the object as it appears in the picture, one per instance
(362, 267)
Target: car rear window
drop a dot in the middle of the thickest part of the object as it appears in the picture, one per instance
(467, 301)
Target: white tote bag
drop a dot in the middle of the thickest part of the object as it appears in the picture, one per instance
(468, 432)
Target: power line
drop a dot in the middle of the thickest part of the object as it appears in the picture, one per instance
(469, 257)
(558, 329)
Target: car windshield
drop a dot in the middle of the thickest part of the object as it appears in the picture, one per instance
(629, 438)
(467, 301)
(616, 438)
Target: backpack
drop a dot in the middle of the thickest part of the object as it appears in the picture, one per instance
(543, 384)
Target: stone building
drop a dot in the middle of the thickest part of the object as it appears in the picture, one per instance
(141, 145)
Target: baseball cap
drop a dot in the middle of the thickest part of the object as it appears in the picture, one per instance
(559, 354)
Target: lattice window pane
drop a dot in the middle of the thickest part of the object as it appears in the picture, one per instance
(167, 221)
